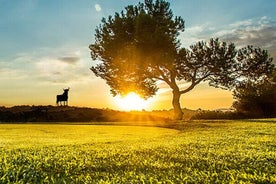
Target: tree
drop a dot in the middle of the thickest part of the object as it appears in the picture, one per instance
(257, 99)
(140, 46)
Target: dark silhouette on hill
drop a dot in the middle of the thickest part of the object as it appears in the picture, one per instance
(63, 98)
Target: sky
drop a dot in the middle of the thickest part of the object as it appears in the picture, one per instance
(44, 47)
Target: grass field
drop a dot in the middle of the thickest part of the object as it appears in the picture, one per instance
(194, 152)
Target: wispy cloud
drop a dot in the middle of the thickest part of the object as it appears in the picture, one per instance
(259, 32)
(12, 74)
(47, 65)
(69, 59)
(195, 33)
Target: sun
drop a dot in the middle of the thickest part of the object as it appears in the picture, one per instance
(132, 101)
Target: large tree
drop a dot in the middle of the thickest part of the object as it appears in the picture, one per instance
(140, 46)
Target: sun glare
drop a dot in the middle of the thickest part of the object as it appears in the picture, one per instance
(132, 101)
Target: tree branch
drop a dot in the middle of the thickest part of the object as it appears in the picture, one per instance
(188, 89)
(194, 82)
(164, 78)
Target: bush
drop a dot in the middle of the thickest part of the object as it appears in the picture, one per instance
(220, 115)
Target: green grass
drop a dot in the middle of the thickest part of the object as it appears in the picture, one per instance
(198, 152)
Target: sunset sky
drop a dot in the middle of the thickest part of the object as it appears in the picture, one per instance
(44, 47)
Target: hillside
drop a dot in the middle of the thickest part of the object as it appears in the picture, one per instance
(80, 114)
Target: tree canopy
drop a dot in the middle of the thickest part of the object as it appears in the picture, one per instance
(258, 100)
(135, 45)
(140, 46)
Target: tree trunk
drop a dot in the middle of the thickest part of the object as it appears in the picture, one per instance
(178, 114)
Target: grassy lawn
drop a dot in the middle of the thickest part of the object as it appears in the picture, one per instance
(194, 152)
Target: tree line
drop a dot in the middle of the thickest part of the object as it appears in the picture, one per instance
(55, 114)
(40, 114)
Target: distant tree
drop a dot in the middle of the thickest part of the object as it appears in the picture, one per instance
(257, 99)
(139, 46)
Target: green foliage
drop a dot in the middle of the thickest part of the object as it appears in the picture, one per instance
(132, 43)
(222, 65)
(255, 64)
(229, 115)
(198, 152)
(213, 61)
(257, 99)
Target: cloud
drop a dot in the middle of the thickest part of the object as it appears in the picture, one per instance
(265, 37)
(259, 32)
(193, 34)
(69, 59)
(47, 66)
(241, 23)
(17, 67)
(12, 74)
(97, 7)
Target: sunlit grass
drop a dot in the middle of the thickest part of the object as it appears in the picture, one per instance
(199, 152)
(33, 135)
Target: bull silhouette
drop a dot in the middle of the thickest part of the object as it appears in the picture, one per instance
(63, 98)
